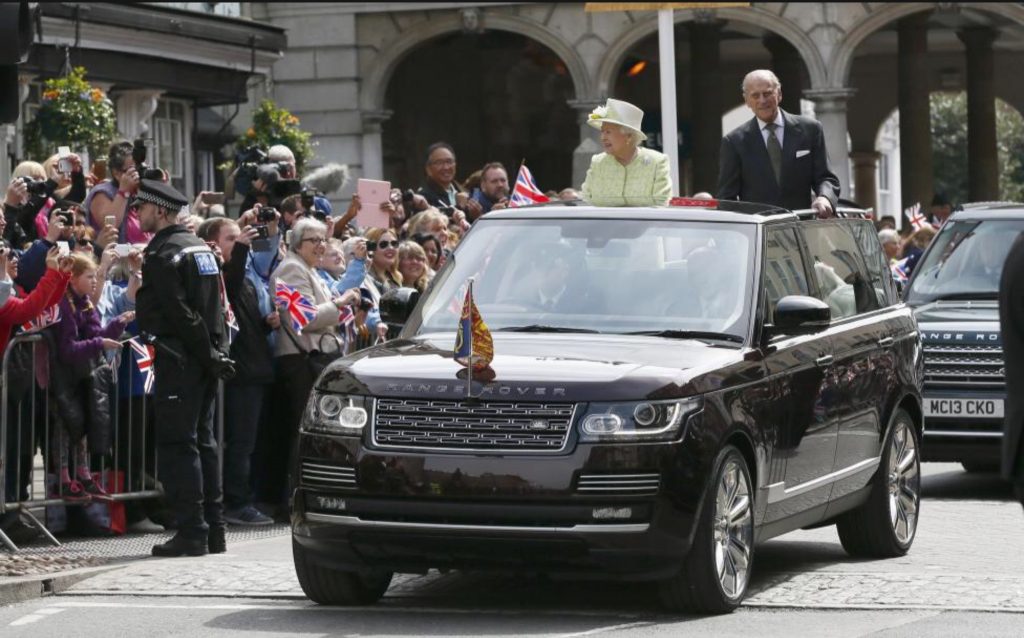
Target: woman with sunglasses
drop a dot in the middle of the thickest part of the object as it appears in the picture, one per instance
(383, 267)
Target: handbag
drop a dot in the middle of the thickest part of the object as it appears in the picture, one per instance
(316, 360)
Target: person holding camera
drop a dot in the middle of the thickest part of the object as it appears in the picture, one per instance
(346, 271)
(250, 350)
(180, 305)
(108, 203)
(34, 198)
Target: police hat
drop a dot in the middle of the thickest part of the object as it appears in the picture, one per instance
(161, 194)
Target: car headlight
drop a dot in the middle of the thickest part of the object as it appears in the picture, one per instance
(636, 421)
(338, 414)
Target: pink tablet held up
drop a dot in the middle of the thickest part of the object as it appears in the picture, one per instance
(372, 193)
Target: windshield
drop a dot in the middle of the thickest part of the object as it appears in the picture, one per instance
(964, 261)
(607, 276)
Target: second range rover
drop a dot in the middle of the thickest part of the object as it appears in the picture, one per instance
(670, 387)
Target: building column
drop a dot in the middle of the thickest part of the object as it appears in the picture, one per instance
(134, 108)
(916, 179)
(865, 178)
(789, 67)
(373, 146)
(982, 156)
(830, 109)
(705, 102)
(588, 146)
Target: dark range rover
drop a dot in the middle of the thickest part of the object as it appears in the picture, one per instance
(670, 386)
(955, 295)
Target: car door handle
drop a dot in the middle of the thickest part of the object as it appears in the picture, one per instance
(824, 360)
(886, 342)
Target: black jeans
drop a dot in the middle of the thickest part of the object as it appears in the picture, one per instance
(183, 404)
(242, 406)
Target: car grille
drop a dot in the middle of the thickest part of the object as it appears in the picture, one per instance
(618, 484)
(487, 426)
(957, 367)
(320, 474)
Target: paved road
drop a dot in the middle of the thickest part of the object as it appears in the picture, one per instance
(968, 558)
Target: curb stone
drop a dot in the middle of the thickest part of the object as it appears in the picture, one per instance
(19, 589)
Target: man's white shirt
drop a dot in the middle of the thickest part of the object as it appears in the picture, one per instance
(780, 125)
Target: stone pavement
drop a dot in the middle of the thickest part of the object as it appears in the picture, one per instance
(968, 555)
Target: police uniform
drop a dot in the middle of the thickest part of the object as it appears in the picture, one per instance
(180, 305)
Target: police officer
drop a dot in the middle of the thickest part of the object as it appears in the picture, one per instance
(179, 304)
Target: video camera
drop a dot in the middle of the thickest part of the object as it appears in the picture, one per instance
(253, 163)
(139, 153)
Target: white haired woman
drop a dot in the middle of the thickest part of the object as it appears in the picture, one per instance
(306, 245)
(626, 174)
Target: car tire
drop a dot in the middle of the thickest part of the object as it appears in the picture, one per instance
(980, 467)
(716, 572)
(885, 525)
(326, 586)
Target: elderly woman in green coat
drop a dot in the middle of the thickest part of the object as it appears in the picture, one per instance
(626, 174)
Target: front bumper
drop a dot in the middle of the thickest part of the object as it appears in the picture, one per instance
(409, 512)
(957, 439)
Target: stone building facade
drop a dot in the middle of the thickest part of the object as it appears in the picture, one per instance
(376, 82)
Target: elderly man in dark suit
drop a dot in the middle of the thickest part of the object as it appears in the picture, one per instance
(776, 158)
(1011, 327)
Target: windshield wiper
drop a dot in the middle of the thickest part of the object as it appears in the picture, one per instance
(689, 334)
(539, 328)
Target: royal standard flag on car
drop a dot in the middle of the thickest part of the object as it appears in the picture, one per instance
(474, 347)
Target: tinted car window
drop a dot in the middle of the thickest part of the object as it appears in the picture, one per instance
(843, 282)
(879, 273)
(783, 268)
(605, 275)
(965, 260)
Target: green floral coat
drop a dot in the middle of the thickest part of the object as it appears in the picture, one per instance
(644, 182)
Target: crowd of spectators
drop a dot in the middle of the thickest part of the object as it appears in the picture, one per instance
(71, 260)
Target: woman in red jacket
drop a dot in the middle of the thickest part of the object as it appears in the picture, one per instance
(17, 311)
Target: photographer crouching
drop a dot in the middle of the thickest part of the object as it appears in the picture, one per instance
(180, 304)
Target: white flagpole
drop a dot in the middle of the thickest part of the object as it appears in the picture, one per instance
(667, 65)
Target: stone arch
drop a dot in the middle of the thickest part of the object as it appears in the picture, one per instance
(842, 58)
(375, 85)
(753, 15)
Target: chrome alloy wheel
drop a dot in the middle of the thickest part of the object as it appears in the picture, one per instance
(733, 530)
(904, 483)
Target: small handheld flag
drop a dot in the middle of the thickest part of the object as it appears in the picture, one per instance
(291, 302)
(144, 360)
(525, 191)
(916, 217)
(47, 317)
(474, 347)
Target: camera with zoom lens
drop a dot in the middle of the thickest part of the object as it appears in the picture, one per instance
(266, 214)
(145, 171)
(35, 186)
(407, 196)
(248, 161)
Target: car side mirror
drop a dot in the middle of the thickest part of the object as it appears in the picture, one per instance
(799, 315)
(397, 304)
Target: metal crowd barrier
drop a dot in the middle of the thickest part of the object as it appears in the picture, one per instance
(131, 437)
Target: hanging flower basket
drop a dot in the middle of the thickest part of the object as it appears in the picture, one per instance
(72, 113)
(273, 125)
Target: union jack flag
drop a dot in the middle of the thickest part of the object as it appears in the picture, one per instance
(899, 271)
(144, 354)
(917, 219)
(525, 191)
(298, 308)
(48, 317)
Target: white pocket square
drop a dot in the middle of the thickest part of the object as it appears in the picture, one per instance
(800, 154)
